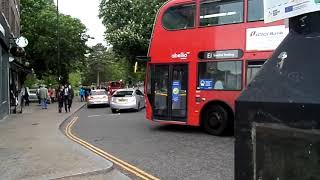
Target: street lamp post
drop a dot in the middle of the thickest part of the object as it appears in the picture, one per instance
(58, 43)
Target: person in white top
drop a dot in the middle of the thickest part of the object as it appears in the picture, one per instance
(218, 85)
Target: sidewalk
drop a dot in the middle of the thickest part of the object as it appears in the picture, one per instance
(33, 147)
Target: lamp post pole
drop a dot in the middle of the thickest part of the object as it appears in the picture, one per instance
(58, 43)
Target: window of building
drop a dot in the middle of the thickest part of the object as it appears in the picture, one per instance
(255, 10)
(224, 75)
(253, 67)
(179, 17)
(217, 12)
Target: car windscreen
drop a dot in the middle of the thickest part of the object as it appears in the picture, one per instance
(33, 91)
(123, 94)
(93, 93)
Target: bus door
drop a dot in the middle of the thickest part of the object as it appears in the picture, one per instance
(169, 87)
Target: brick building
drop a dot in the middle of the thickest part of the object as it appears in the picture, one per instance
(9, 30)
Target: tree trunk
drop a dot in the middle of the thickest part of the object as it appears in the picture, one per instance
(98, 79)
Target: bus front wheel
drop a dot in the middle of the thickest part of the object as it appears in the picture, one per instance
(215, 120)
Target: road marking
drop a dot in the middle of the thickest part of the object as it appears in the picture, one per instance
(105, 115)
(136, 171)
(94, 116)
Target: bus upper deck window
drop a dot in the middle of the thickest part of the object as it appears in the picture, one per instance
(221, 12)
(179, 17)
(255, 10)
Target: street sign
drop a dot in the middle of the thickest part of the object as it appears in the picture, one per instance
(22, 42)
(275, 10)
(176, 88)
(206, 84)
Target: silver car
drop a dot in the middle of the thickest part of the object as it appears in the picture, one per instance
(33, 95)
(98, 97)
(127, 99)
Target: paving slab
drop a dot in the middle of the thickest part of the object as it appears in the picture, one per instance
(33, 147)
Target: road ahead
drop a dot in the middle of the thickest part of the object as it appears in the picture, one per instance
(167, 152)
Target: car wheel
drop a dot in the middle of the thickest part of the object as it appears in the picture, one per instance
(113, 111)
(215, 120)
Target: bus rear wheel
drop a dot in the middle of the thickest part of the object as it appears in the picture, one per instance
(215, 120)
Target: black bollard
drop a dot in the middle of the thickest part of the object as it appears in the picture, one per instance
(277, 126)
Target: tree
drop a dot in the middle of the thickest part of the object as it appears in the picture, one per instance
(103, 65)
(75, 79)
(129, 25)
(39, 25)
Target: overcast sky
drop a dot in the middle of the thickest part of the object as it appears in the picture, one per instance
(87, 11)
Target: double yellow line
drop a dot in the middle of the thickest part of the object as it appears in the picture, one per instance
(134, 170)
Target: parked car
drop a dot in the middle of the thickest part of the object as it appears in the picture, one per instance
(98, 97)
(127, 99)
(33, 95)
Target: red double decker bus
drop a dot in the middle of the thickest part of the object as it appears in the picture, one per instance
(203, 54)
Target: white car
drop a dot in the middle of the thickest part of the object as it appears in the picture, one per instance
(127, 99)
(98, 97)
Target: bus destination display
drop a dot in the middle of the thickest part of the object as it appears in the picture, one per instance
(225, 54)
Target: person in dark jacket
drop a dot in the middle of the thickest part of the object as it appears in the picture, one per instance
(60, 97)
(68, 96)
(71, 95)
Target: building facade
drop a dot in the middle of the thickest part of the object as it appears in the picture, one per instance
(9, 30)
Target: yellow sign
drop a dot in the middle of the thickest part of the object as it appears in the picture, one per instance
(135, 67)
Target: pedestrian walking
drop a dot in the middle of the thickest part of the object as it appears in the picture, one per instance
(66, 94)
(53, 95)
(86, 94)
(82, 94)
(38, 94)
(43, 94)
(71, 95)
(49, 94)
(26, 96)
(60, 96)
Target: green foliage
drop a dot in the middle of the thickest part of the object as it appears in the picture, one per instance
(75, 79)
(31, 80)
(39, 25)
(129, 25)
(50, 80)
(103, 61)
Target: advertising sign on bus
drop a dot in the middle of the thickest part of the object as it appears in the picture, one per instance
(265, 38)
(275, 10)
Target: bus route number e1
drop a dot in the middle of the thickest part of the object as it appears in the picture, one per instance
(224, 54)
